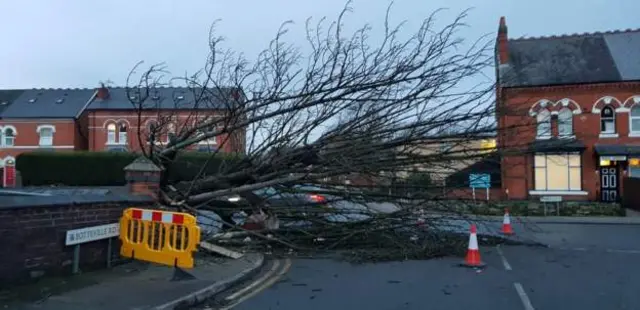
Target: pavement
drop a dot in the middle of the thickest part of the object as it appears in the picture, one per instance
(585, 267)
(134, 285)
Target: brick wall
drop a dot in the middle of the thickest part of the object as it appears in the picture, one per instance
(33, 238)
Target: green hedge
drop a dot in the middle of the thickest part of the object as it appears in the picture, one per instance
(105, 168)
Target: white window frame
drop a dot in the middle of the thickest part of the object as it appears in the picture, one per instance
(565, 119)
(546, 190)
(540, 118)
(112, 134)
(632, 132)
(612, 119)
(211, 140)
(39, 130)
(3, 136)
(122, 135)
(171, 129)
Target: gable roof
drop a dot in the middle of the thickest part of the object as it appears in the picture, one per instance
(572, 59)
(48, 103)
(166, 98)
(7, 97)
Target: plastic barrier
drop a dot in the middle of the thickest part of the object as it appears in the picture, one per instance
(162, 237)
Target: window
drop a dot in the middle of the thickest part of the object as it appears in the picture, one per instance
(635, 119)
(122, 133)
(565, 123)
(634, 167)
(171, 132)
(544, 123)
(9, 137)
(559, 172)
(608, 120)
(111, 134)
(205, 148)
(152, 131)
(46, 135)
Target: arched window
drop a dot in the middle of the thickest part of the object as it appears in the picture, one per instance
(9, 136)
(544, 123)
(111, 133)
(634, 118)
(46, 134)
(152, 131)
(608, 120)
(171, 132)
(122, 133)
(565, 122)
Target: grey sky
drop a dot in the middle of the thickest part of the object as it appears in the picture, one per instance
(78, 43)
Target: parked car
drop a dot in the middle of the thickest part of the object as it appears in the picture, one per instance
(308, 198)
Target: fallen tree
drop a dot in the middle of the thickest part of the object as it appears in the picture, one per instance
(344, 119)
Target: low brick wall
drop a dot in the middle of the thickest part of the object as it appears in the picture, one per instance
(495, 194)
(536, 208)
(32, 235)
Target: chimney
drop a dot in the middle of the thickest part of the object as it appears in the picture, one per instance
(502, 43)
(103, 92)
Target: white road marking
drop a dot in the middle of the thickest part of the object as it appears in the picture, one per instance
(255, 283)
(262, 287)
(506, 264)
(523, 296)
(624, 251)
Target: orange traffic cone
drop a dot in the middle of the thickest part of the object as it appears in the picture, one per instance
(506, 223)
(473, 253)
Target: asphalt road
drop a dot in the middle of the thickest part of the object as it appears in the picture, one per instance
(587, 267)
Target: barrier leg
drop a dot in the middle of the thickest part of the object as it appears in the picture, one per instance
(180, 275)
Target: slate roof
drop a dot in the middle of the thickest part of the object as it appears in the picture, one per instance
(572, 59)
(7, 97)
(168, 98)
(48, 103)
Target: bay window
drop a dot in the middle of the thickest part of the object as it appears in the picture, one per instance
(557, 172)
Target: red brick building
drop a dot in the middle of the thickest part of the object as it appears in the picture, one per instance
(568, 112)
(41, 119)
(105, 120)
(113, 124)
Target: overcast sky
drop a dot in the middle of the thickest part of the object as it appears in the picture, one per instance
(78, 43)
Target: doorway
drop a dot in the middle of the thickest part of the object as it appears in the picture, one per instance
(609, 183)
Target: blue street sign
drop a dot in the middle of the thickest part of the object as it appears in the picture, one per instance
(480, 180)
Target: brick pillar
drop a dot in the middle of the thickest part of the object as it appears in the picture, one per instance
(143, 177)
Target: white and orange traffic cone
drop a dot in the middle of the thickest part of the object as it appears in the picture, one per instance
(473, 252)
(506, 224)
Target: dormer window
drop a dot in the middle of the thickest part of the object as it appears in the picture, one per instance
(607, 120)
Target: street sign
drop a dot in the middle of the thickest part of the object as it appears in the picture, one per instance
(481, 180)
(88, 234)
(551, 199)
